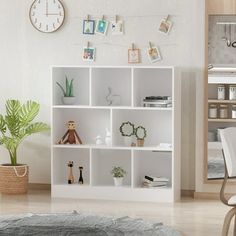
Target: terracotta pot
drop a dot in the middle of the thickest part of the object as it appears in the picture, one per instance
(14, 179)
(140, 142)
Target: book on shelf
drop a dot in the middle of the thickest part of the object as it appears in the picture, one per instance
(154, 184)
(155, 179)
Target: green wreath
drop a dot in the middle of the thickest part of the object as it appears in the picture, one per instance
(123, 131)
(144, 132)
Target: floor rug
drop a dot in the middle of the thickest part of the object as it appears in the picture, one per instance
(72, 224)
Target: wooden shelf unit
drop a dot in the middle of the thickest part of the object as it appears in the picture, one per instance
(93, 116)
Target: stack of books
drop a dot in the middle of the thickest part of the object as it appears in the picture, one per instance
(154, 182)
(157, 101)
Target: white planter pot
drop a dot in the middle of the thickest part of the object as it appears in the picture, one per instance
(127, 141)
(68, 100)
(118, 181)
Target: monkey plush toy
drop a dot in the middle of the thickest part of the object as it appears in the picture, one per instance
(71, 135)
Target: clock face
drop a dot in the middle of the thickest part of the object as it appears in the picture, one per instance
(47, 15)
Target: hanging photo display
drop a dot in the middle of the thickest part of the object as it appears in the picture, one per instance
(88, 26)
(133, 55)
(117, 27)
(154, 54)
(88, 53)
(101, 27)
(165, 25)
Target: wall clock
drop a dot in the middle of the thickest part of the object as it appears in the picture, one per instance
(47, 16)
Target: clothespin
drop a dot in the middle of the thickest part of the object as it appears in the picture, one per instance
(103, 17)
(132, 46)
(116, 18)
(150, 45)
(167, 18)
(88, 17)
(88, 44)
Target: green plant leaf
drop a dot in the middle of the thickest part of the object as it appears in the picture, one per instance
(2, 124)
(36, 128)
(62, 89)
(71, 94)
(28, 112)
(67, 88)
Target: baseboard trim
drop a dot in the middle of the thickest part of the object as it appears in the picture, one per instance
(187, 193)
(33, 186)
(210, 196)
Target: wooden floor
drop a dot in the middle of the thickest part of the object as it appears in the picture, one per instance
(191, 217)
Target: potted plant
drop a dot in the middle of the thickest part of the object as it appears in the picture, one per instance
(141, 134)
(68, 93)
(118, 174)
(15, 126)
(127, 130)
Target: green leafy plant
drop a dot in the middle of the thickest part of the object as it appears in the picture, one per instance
(118, 172)
(18, 124)
(140, 132)
(127, 129)
(69, 91)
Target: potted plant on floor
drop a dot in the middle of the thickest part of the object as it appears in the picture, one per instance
(68, 93)
(118, 174)
(15, 126)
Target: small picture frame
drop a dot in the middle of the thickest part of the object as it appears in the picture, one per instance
(154, 54)
(117, 27)
(101, 27)
(88, 26)
(133, 56)
(165, 26)
(89, 54)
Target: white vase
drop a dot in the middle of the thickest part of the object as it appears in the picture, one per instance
(68, 100)
(127, 141)
(118, 181)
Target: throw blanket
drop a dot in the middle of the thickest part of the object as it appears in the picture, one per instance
(72, 224)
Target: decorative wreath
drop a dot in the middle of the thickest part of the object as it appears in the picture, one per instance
(144, 132)
(122, 130)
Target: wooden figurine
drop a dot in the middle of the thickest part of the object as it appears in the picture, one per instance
(71, 179)
(71, 136)
(81, 180)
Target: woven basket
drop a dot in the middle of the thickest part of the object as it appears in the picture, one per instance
(14, 179)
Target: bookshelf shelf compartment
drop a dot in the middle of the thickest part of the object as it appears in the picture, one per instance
(93, 115)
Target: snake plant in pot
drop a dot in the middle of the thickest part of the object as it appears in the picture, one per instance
(15, 126)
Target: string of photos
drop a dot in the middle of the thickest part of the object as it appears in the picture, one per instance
(100, 27)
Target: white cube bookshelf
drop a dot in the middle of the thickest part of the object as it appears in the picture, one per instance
(93, 115)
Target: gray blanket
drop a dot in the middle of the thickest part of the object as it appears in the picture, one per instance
(72, 224)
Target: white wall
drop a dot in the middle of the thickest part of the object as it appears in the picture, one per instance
(26, 56)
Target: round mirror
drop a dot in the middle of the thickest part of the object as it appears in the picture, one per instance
(141, 132)
(127, 129)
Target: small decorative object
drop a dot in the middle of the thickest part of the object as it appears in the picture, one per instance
(221, 92)
(89, 53)
(108, 138)
(68, 93)
(88, 26)
(212, 112)
(223, 111)
(101, 27)
(233, 111)
(133, 55)
(232, 92)
(165, 25)
(71, 136)
(113, 99)
(81, 180)
(141, 134)
(118, 174)
(71, 178)
(99, 140)
(133, 144)
(127, 130)
(16, 125)
(153, 53)
(117, 27)
(47, 16)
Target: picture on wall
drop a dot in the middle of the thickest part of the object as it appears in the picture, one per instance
(117, 27)
(101, 27)
(165, 26)
(133, 56)
(154, 54)
(89, 54)
(88, 26)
